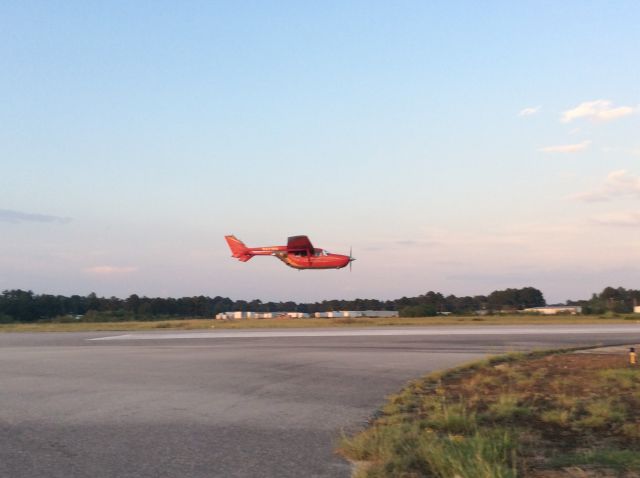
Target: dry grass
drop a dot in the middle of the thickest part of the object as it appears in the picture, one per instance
(193, 324)
(529, 416)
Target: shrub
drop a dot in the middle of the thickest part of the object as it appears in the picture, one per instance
(424, 310)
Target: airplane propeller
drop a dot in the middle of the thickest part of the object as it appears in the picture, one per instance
(351, 258)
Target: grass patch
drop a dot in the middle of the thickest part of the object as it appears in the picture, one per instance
(200, 323)
(615, 459)
(410, 450)
(519, 415)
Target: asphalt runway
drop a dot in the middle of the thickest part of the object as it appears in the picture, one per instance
(268, 403)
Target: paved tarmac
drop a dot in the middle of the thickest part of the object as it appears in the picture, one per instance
(223, 403)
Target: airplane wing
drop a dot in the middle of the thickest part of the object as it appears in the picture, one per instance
(299, 243)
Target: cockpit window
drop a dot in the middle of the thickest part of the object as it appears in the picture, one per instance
(320, 252)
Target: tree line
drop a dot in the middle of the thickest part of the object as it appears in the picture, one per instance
(617, 300)
(26, 306)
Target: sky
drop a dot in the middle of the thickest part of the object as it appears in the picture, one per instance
(457, 146)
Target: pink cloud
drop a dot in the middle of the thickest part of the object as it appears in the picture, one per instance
(566, 148)
(618, 184)
(598, 110)
(110, 270)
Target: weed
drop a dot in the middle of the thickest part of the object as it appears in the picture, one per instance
(482, 382)
(621, 460)
(453, 418)
(508, 408)
(560, 418)
(563, 401)
(407, 450)
(380, 442)
(488, 454)
(351, 321)
(601, 413)
(631, 431)
(620, 378)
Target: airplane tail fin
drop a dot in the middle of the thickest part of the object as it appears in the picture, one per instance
(238, 249)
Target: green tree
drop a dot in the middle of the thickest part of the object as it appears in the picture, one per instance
(420, 310)
(132, 303)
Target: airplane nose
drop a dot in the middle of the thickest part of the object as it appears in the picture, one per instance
(350, 258)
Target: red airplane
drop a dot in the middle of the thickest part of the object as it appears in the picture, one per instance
(299, 253)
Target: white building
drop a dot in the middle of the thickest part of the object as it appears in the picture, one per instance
(259, 315)
(345, 313)
(555, 309)
(336, 314)
(356, 313)
(380, 313)
(235, 315)
(268, 315)
(297, 315)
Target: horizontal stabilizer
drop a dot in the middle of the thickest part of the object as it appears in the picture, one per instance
(238, 249)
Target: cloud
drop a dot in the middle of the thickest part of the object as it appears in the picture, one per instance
(566, 148)
(110, 270)
(590, 196)
(623, 218)
(619, 183)
(598, 110)
(529, 111)
(15, 217)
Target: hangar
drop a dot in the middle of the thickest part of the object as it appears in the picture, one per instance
(555, 309)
